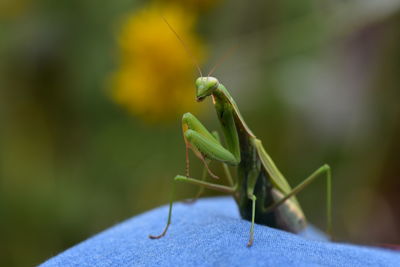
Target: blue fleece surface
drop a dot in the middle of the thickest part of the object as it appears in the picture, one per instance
(211, 233)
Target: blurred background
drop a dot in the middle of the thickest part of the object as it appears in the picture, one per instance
(92, 94)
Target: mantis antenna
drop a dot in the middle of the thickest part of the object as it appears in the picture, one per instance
(223, 58)
(184, 45)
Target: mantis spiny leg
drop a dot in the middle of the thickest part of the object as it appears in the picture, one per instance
(203, 143)
(204, 174)
(224, 165)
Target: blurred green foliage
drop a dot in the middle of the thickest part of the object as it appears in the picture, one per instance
(317, 82)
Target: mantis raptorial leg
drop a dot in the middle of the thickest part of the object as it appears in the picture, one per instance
(204, 174)
(227, 172)
(203, 143)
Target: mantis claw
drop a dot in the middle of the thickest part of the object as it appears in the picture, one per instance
(208, 169)
(161, 235)
(251, 240)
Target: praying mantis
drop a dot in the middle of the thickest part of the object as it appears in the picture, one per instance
(261, 192)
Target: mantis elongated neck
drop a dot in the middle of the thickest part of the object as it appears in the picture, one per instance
(222, 99)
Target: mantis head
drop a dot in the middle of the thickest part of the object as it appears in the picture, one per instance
(205, 86)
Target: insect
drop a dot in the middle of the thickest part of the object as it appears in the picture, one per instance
(261, 192)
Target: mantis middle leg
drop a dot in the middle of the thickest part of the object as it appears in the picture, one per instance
(251, 183)
(217, 187)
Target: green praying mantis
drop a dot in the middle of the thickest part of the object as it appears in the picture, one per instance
(261, 192)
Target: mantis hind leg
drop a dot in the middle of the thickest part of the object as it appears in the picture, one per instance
(325, 169)
(217, 187)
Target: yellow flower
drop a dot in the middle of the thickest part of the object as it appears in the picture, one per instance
(156, 76)
(10, 9)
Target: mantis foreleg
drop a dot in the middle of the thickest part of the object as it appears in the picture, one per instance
(204, 174)
(202, 142)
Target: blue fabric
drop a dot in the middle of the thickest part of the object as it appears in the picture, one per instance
(211, 233)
